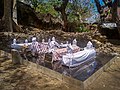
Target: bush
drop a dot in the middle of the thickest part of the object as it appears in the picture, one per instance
(81, 28)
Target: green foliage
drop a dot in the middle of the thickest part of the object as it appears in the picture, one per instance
(73, 18)
(46, 8)
(81, 28)
(55, 2)
(76, 10)
(34, 3)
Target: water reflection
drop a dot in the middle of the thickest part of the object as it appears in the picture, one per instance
(81, 72)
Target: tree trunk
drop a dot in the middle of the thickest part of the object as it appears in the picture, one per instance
(7, 17)
(61, 9)
(118, 13)
(98, 6)
(105, 2)
(114, 10)
(1, 8)
(111, 5)
(64, 15)
(14, 9)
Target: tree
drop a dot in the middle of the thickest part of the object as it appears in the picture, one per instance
(68, 11)
(114, 10)
(72, 11)
(61, 9)
(7, 17)
(112, 6)
(1, 8)
(34, 3)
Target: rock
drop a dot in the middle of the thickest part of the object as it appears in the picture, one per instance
(99, 44)
(16, 58)
(103, 85)
(109, 45)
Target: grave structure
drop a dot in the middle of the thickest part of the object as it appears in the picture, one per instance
(72, 82)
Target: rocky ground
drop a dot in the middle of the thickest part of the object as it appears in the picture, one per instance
(100, 42)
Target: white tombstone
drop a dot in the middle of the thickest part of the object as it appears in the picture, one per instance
(26, 42)
(34, 39)
(69, 48)
(74, 42)
(33, 46)
(43, 41)
(61, 43)
(89, 45)
(53, 38)
(53, 44)
(14, 41)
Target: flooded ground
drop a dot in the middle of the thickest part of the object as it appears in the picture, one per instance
(81, 72)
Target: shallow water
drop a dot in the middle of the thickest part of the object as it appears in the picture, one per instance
(81, 72)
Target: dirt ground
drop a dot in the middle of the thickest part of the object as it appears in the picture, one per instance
(109, 80)
(21, 77)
